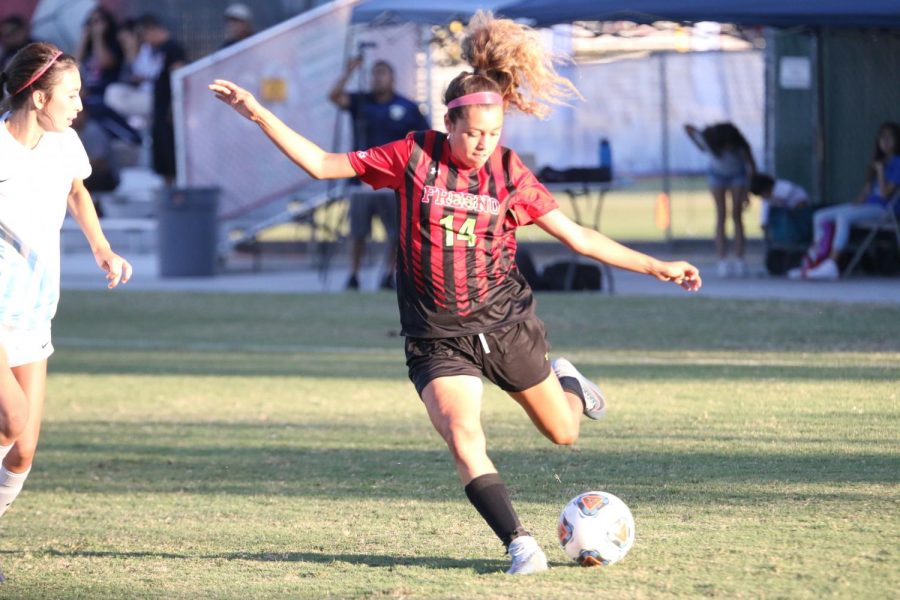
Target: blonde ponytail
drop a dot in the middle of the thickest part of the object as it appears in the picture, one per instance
(512, 56)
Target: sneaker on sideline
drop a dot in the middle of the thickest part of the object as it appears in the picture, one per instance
(723, 269)
(741, 268)
(594, 402)
(827, 270)
(796, 273)
(527, 556)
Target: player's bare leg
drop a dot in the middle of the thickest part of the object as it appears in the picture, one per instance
(555, 413)
(454, 407)
(13, 404)
(17, 464)
(21, 405)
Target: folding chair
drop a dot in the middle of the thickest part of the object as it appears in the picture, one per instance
(886, 222)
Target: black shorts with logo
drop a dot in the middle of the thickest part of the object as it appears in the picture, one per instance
(515, 357)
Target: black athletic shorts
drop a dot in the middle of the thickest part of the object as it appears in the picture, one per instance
(515, 357)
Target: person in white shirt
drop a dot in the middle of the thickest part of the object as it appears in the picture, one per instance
(42, 170)
(776, 192)
(132, 96)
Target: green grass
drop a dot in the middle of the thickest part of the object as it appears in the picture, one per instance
(627, 214)
(261, 446)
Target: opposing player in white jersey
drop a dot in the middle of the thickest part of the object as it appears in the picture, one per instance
(42, 170)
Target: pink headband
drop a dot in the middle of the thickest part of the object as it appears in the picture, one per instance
(476, 98)
(40, 72)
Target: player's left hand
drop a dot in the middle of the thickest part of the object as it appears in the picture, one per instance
(683, 273)
(118, 270)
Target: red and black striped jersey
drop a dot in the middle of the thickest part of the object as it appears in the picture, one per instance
(456, 269)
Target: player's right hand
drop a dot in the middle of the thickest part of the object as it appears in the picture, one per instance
(236, 97)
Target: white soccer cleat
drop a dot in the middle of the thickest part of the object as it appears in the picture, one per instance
(527, 556)
(594, 402)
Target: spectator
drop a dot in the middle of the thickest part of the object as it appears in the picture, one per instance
(779, 193)
(731, 165)
(379, 116)
(831, 226)
(238, 23)
(101, 57)
(15, 34)
(171, 56)
(132, 95)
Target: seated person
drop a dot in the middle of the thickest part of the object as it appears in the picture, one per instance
(132, 94)
(831, 226)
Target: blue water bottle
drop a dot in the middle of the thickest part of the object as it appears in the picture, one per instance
(605, 155)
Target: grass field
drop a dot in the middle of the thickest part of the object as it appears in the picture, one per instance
(262, 446)
(627, 214)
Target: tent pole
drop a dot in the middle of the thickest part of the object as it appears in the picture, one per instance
(425, 44)
(818, 115)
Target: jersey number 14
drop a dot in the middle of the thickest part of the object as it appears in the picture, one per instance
(466, 231)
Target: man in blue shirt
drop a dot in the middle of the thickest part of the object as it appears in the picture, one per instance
(379, 117)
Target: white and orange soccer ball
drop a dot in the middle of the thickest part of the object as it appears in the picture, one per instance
(596, 528)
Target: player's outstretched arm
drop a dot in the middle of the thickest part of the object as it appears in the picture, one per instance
(594, 244)
(307, 155)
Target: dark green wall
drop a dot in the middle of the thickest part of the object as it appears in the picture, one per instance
(861, 89)
(823, 137)
(795, 128)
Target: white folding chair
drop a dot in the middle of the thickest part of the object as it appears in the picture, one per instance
(886, 222)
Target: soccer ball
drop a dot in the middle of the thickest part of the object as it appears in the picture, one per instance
(596, 528)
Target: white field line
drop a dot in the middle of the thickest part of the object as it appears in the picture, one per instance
(131, 344)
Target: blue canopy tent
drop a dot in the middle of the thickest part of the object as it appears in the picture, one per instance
(775, 13)
(418, 11)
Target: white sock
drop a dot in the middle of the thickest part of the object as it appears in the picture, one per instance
(10, 486)
(4, 450)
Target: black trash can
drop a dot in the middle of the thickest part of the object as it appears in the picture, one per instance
(187, 232)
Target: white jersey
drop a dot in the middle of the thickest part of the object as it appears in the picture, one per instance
(34, 186)
(788, 194)
(785, 194)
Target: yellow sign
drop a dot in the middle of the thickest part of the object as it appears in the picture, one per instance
(273, 89)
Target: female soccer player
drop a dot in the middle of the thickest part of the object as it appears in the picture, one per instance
(42, 169)
(466, 311)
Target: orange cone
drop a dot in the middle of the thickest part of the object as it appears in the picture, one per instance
(661, 214)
